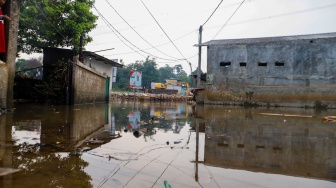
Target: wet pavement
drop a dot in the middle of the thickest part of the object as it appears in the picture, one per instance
(167, 144)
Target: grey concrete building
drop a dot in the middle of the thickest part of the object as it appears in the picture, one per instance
(297, 71)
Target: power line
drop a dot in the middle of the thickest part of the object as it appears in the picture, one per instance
(138, 33)
(109, 25)
(157, 45)
(229, 19)
(114, 29)
(212, 13)
(281, 15)
(52, 25)
(164, 32)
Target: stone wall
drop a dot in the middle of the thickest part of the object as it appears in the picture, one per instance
(88, 86)
(298, 73)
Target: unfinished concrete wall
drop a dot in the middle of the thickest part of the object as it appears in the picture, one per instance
(298, 73)
(101, 67)
(85, 84)
(3, 85)
(88, 86)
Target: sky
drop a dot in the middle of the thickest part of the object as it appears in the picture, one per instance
(167, 30)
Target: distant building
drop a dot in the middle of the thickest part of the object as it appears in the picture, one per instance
(295, 71)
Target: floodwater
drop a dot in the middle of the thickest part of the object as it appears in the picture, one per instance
(167, 144)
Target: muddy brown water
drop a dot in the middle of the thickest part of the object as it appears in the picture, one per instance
(167, 144)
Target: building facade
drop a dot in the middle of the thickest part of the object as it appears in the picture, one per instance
(297, 71)
(102, 65)
(83, 83)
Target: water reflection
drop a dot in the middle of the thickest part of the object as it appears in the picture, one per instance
(291, 145)
(40, 140)
(144, 117)
(46, 142)
(144, 144)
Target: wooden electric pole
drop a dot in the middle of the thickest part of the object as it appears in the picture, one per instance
(199, 57)
(13, 10)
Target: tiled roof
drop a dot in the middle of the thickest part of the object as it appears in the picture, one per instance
(269, 39)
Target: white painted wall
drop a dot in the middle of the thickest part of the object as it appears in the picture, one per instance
(101, 67)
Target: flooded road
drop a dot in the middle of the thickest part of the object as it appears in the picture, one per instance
(167, 144)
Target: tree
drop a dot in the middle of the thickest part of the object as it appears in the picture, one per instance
(123, 77)
(54, 23)
(166, 73)
(178, 68)
(149, 72)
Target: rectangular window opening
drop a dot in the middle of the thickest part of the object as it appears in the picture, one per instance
(242, 64)
(262, 64)
(279, 64)
(225, 63)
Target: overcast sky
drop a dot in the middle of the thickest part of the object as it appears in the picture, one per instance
(168, 29)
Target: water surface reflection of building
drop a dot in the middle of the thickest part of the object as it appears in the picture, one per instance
(244, 139)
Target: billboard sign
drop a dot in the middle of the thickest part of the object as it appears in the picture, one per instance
(135, 79)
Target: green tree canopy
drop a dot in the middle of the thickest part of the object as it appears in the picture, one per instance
(54, 23)
(166, 72)
(150, 73)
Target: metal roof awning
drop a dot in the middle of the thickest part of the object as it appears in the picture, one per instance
(101, 58)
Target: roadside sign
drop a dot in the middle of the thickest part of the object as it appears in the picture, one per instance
(135, 79)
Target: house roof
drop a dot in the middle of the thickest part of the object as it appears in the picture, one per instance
(269, 39)
(101, 58)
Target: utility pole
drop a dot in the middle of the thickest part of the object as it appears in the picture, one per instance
(199, 57)
(81, 42)
(13, 10)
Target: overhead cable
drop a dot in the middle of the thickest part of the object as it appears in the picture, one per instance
(113, 30)
(139, 34)
(164, 32)
(212, 13)
(106, 21)
(284, 14)
(159, 44)
(229, 19)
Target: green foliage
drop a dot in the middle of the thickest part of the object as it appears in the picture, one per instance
(54, 23)
(150, 73)
(53, 89)
(166, 72)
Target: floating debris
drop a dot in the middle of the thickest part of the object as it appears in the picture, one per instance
(94, 141)
(6, 171)
(166, 184)
(83, 149)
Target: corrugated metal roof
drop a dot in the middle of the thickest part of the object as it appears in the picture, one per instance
(269, 39)
(101, 58)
